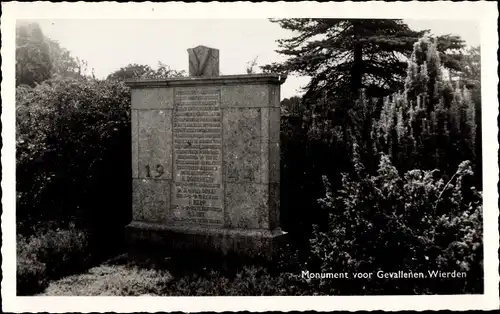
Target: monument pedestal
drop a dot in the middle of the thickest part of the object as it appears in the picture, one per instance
(206, 160)
(262, 244)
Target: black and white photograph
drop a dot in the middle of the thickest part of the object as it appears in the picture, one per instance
(161, 151)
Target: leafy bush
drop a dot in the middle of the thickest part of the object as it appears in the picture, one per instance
(418, 222)
(31, 276)
(304, 159)
(141, 71)
(73, 152)
(50, 255)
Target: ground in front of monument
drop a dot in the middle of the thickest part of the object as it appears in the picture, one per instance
(353, 166)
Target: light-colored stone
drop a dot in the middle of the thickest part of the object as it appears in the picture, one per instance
(155, 144)
(264, 124)
(153, 98)
(274, 125)
(247, 205)
(151, 200)
(274, 205)
(245, 96)
(203, 61)
(274, 162)
(187, 209)
(135, 143)
(241, 144)
(264, 162)
(206, 159)
(274, 96)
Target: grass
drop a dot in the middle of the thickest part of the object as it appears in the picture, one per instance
(111, 280)
(126, 280)
(58, 262)
(50, 255)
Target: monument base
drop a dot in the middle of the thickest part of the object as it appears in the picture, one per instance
(255, 244)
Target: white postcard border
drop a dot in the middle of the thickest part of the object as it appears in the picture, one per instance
(486, 12)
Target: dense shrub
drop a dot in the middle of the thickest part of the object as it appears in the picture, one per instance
(416, 222)
(48, 256)
(31, 276)
(73, 153)
(305, 157)
(430, 124)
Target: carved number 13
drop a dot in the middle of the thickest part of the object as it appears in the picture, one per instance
(159, 171)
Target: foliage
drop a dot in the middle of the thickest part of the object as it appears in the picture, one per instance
(344, 56)
(251, 66)
(121, 280)
(111, 280)
(138, 71)
(48, 256)
(420, 220)
(431, 124)
(73, 161)
(39, 58)
(33, 64)
(329, 120)
(450, 48)
(72, 139)
(470, 78)
(470, 74)
(63, 63)
(249, 281)
(31, 276)
(292, 106)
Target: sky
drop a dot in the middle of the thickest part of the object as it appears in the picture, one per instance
(110, 44)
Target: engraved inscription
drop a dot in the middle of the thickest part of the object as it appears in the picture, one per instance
(197, 133)
(159, 171)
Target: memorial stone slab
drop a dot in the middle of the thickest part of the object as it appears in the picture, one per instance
(206, 158)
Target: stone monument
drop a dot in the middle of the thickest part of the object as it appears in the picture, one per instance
(206, 160)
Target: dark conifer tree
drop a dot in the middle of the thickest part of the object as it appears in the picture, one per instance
(342, 56)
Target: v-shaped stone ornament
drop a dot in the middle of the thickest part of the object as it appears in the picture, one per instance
(203, 61)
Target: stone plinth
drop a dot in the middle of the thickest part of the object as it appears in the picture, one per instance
(206, 162)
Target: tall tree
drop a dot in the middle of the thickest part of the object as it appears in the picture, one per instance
(431, 124)
(33, 64)
(130, 71)
(292, 106)
(470, 77)
(450, 48)
(63, 63)
(470, 72)
(343, 56)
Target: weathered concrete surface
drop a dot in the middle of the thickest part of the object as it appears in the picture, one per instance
(206, 161)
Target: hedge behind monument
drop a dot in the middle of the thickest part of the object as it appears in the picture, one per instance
(73, 154)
